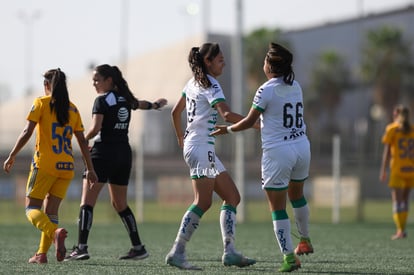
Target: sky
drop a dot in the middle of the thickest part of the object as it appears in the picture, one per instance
(37, 35)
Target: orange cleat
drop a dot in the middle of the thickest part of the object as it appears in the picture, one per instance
(304, 247)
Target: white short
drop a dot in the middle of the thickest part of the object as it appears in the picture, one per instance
(286, 163)
(202, 161)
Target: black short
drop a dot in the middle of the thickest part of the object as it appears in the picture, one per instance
(112, 163)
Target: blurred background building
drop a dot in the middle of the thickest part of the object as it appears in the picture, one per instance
(352, 72)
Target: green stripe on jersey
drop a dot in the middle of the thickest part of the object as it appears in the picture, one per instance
(217, 101)
(254, 106)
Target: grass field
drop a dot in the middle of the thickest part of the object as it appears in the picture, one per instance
(345, 248)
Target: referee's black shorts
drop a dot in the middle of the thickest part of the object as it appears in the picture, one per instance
(112, 162)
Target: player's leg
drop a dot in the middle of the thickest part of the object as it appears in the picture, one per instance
(228, 192)
(299, 173)
(118, 195)
(281, 227)
(405, 211)
(301, 213)
(203, 194)
(39, 184)
(399, 213)
(277, 164)
(226, 189)
(89, 197)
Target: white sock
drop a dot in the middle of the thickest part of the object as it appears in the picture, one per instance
(189, 224)
(282, 233)
(302, 220)
(228, 229)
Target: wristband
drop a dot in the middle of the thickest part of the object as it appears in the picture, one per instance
(229, 130)
(149, 106)
(157, 105)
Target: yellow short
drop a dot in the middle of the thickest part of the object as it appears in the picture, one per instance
(397, 181)
(39, 184)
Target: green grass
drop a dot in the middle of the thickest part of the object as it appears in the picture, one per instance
(346, 248)
(12, 212)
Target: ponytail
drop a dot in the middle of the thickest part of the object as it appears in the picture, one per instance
(120, 83)
(59, 102)
(280, 62)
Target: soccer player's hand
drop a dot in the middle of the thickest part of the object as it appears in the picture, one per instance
(8, 164)
(220, 130)
(91, 177)
(159, 103)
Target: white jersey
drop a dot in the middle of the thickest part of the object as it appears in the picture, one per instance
(201, 114)
(281, 106)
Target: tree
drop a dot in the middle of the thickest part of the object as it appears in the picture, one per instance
(386, 66)
(329, 78)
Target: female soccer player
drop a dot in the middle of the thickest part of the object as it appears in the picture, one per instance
(398, 155)
(56, 120)
(112, 157)
(286, 150)
(204, 100)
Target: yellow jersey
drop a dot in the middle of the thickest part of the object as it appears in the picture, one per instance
(402, 150)
(53, 151)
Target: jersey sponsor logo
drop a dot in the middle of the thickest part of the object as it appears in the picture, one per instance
(123, 115)
(407, 169)
(64, 166)
(294, 133)
(121, 126)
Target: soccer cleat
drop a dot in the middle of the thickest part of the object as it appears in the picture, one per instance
(180, 261)
(304, 247)
(59, 242)
(290, 263)
(135, 254)
(78, 254)
(40, 258)
(399, 235)
(236, 259)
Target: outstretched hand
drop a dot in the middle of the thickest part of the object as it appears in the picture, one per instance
(161, 102)
(220, 130)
